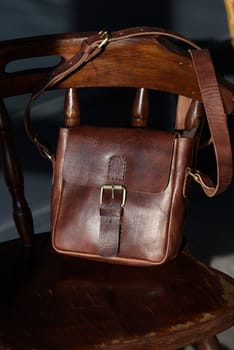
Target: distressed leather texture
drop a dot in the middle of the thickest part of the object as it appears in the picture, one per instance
(150, 164)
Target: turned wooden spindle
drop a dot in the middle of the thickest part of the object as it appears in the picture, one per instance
(209, 344)
(140, 109)
(189, 113)
(14, 179)
(71, 108)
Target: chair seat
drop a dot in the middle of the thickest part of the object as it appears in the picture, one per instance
(59, 302)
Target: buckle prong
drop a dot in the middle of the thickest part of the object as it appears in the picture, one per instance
(105, 35)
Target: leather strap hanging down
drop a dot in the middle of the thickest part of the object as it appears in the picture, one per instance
(217, 121)
(206, 77)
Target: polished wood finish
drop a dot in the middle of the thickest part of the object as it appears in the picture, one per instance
(209, 344)
(173, 68)
(71, 108)
(14, 179)
(140, 110)
(58, 302)
(66, 303)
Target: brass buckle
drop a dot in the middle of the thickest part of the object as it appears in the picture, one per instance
(43, 150)
(114, 188)
(193, 175)
(105, 35)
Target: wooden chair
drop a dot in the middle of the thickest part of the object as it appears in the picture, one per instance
(48, 301)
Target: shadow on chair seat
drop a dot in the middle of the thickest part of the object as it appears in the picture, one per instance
(60, 302)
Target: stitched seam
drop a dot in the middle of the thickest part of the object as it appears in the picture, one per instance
(121, 176)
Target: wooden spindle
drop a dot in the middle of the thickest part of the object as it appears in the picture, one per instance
(189, 113)
(209, 344)
(140, 110)
(71, 108)
(14, 179)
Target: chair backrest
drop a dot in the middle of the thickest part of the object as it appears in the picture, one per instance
(132, 65)
(145, 58)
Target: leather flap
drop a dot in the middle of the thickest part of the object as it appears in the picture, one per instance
(90, 150)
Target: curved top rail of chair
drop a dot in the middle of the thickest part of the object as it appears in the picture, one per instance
(166, 58)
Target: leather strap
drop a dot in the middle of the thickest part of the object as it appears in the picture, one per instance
(110, 224)
(217, 121)
(92, 46)
(112, 207)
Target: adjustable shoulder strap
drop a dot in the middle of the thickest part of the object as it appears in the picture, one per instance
(217, 121)
(90, 48)
(216, 116)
